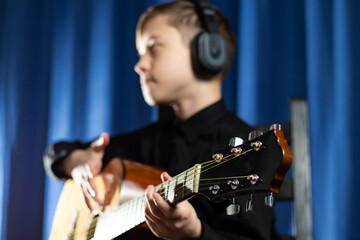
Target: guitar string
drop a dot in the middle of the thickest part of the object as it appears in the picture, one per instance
(181, 177)
(92, 228)
(205, 166)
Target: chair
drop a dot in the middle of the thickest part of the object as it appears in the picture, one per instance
(298, 187)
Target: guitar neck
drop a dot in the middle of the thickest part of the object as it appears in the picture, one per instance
(181, 187)
(132, 213)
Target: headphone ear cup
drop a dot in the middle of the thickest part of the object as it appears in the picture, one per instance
(208, 53)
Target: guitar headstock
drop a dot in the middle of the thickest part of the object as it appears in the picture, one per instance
(258, 165)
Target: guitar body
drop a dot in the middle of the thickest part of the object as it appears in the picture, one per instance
(73, 221)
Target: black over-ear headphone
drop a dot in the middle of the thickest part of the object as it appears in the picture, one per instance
(208, 48)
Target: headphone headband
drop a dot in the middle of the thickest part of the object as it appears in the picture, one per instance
(206, 14)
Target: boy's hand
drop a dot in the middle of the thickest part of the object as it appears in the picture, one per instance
(167, 222)
(83, 165)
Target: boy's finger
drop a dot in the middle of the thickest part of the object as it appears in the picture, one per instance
(88, 171)
(86, 202)
(100, 143)
(106, 138)
(165, 177)
(162, 207)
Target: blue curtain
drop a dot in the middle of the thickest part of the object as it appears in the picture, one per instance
(333, 52)
(66, 72)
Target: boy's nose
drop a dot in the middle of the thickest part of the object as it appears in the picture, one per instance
(141, 66)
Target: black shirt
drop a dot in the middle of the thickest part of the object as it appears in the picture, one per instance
(176, 146)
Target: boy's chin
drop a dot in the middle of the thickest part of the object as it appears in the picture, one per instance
(153, 102)
(147, 96)
(150, 101)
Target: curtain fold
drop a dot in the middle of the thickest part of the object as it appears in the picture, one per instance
(333, 84)
(66, 72)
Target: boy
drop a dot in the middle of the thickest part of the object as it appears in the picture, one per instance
(169, 75)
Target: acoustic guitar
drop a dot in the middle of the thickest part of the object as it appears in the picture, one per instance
(258, 165)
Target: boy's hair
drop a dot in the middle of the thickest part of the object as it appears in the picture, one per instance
(183, 16)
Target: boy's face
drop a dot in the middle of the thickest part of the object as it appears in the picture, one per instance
(164, 67)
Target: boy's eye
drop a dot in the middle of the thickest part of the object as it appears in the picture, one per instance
(152, 46)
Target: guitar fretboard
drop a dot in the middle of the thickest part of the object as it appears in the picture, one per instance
(126, 216)
(132, 213)
(180, 187)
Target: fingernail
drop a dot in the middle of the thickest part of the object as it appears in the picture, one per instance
(154, 197)
(91, 192)
(99, 141)
(88, 171)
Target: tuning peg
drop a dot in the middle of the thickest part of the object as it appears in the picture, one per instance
(269, 200)
(275, 126)
(249, 203)
(233, 208)
(254, 134)
(235, 141)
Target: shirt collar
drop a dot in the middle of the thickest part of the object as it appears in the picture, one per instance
(203, 120)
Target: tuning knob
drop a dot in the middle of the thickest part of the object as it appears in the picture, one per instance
(275, 126)
(269, 200)
(254, 134)
(235, 141)
(249, 203)
(233, 208)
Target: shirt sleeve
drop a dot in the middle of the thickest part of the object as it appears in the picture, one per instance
(132, 146)
(54, 156)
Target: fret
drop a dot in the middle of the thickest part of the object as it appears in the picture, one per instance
(160, 189)
(185, 187)
(167, 190)
(189, 180)
(164, 190)
(196, 178)
(181, 188)
(171, 191)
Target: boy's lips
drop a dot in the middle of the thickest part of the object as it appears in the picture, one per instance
(147, 80)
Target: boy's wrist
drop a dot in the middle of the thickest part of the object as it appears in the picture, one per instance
(198, 229)
(71, 161)
(195, 230)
